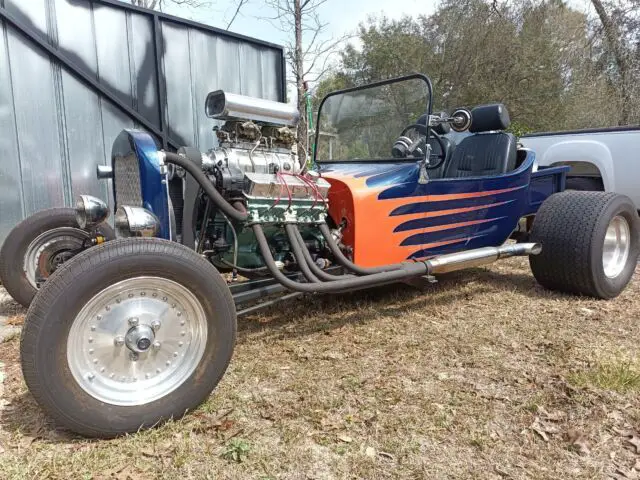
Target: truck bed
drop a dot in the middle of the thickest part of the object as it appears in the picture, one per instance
(612, 154)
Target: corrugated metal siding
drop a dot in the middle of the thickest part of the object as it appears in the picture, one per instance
(56, 128)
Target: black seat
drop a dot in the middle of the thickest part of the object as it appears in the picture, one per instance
(489, 151)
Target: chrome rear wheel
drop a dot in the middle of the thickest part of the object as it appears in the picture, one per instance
(617, 245)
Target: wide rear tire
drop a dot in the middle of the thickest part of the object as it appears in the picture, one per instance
(54, 229)
(127, 335)
(590, 243)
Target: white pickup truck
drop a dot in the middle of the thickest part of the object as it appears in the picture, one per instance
(600, 159)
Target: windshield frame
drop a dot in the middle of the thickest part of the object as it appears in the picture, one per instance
(413, 76)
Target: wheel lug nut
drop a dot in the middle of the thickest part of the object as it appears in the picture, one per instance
(155, 325)
(91, 376)
(118, 341)
(133, 321)
(157, 345)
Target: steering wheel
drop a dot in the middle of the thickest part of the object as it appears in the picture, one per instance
(439, 157)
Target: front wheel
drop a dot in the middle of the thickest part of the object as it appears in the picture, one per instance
(37, 246)
(590, 243)
(127, 335)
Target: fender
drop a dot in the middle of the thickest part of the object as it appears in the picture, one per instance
(585, 151)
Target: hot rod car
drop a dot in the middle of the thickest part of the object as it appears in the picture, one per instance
(137, 330)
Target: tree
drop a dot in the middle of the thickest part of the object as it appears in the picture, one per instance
(539, 57)
(153, 4)
(622, 51)
(308, 52)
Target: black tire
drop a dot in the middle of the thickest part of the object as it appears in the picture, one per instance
(14, 248)
(43, 346)
(590, 184)
(571, 227)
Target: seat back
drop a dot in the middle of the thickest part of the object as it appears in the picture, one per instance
(488, 152)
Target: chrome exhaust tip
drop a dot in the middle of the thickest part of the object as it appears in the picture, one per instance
(480, 256)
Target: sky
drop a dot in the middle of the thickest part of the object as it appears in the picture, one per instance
(342, 16)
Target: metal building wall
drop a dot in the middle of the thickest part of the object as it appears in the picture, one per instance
(74, 73)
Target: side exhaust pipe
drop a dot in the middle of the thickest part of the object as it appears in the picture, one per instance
(480, 256)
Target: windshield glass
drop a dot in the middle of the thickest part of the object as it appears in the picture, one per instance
(364, 124)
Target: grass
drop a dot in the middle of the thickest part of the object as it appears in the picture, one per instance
(619, 376)
(483, 375)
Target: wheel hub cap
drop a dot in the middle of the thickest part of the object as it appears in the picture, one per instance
(617, 245)
(137, 340)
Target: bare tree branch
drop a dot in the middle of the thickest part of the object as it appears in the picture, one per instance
(238, 7)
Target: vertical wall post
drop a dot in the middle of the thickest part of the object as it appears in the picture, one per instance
(161, 86)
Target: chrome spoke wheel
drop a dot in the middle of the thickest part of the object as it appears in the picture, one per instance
(49, 250)
(617, 245)
(137, 340)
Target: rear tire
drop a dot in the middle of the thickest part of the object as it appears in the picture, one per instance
(26, 237)
(79, 340)
(572, 226)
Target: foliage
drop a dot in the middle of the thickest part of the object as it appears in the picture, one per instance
(548, 62)
(237, 450)
(519, 129)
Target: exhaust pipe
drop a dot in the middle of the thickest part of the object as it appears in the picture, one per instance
(480, 256)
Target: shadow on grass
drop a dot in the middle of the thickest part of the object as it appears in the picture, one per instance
(9, 308)
(334, 311)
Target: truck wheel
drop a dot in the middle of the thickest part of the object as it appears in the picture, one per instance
(127, 335)
(591, 184)
(37, 246)
(589, 243)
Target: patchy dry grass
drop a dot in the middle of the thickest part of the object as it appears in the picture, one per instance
(484, 375)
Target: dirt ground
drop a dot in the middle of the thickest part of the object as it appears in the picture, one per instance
(483, 375)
